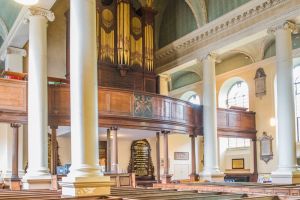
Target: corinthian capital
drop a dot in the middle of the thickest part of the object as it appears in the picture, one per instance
(34, 11)
(286, 25)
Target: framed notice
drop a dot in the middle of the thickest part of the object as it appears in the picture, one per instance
(238, 163)
(266, 152)
(181, 155)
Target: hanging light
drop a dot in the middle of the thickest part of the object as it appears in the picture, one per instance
(27, 2)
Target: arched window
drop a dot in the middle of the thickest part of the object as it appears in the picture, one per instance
(194, 99)
(191, 97)
(297, 99)
(238, 95)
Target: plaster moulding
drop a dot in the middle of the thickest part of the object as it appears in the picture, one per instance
(246, 21)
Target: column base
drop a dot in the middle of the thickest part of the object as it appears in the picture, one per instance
(15, 184)
(166, 178)
(37, 182)
(286, 177)
(212, 176)
(194, 177)
(85, 186)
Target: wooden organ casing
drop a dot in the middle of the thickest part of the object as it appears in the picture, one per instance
(125, 44)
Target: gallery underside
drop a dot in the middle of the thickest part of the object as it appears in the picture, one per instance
(149, 99)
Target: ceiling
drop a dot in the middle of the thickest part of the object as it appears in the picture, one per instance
(123, 133)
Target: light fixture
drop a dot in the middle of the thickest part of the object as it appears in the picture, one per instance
(27, 2)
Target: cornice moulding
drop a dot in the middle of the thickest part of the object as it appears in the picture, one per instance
(235, 23)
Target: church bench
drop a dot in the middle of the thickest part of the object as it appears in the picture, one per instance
(191, 197)
(145, 192)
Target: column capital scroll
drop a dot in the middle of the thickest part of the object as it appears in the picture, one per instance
(286, 25)
(15, 125)
(34, 11)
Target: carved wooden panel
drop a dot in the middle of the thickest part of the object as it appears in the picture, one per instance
(13, 96)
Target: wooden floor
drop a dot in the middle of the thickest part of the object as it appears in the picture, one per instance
(284, 191)
(133, 194)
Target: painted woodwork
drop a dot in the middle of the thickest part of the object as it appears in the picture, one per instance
(126, 109)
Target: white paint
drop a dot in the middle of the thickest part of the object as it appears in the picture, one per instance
(37, 106)
(285, 110)
(14, 62)
(211, 165)
(84, 178)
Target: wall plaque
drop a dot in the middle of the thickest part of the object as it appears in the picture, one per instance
(260, 82)
(238, 163)
(140, 161)
(181, 155)
(266, 152)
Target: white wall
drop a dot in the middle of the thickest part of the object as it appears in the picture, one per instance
(180, 169)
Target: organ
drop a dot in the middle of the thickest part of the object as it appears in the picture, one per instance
(125, 37)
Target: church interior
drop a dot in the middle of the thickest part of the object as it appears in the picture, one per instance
(150, 99)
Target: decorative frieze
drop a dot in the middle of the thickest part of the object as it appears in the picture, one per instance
(286, 25)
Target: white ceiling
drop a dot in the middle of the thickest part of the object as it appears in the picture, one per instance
(123, 133)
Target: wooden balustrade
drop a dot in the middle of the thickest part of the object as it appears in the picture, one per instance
(129, 109)
(126, 108)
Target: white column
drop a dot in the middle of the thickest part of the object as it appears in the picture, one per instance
(14, 59)
(114, 150)
(84, 178)
(38, 176)
(285, 109)
(211, 169)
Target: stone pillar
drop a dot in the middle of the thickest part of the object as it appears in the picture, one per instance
(211, 171)
(14, 59)
(193, 176)
(286, 172)
(114, 150)
(158, 157)
(255, 174)
(54, 153)
(108, 152)
(15, 180)
(85, 178)
(38, 176)
(166, 178)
